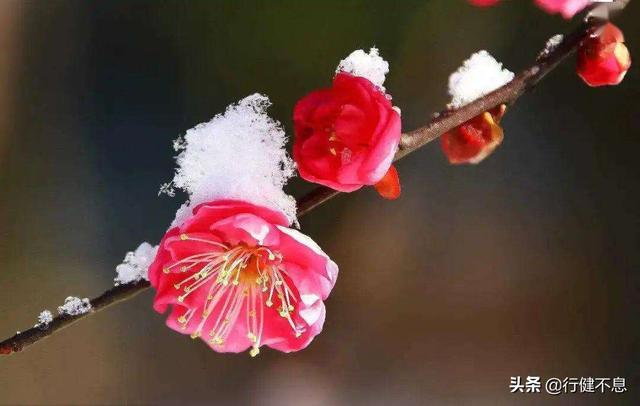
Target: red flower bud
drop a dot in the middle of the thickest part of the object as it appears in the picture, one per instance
(473, 141)
(603, 59)
(484, 3)
(568, 8)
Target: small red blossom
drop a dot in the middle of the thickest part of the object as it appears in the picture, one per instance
(237, 277)
(568, 8)
(474, 140)
(346, 135)
(603, 59)
(484, 3)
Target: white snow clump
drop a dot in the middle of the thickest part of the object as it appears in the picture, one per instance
(479, 75)
(44, 319)
(236, 155)
(135, 265)
(367, 65)
(74, 306)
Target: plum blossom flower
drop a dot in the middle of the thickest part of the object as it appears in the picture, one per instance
(347, 135)
(568, 8)
(230, 270)
(484, 3)
(603, 59)
(237, 277)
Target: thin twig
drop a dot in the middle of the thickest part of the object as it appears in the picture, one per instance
(112, 296)
(409, 142)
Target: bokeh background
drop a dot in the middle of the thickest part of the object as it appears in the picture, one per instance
(524, 265)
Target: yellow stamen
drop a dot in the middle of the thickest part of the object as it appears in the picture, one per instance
(235, 279)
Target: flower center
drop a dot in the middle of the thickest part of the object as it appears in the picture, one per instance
(236, 278)
(337, 147)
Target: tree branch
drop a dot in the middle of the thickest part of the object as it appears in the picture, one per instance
(409, 142)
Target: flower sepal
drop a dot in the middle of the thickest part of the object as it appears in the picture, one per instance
(389, 186)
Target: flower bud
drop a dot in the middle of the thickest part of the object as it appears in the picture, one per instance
(473, 141)
(484, 3)
(603, 59)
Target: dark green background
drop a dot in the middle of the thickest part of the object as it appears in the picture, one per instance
(524, 265)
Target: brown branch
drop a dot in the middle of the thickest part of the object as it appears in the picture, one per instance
(409, 142)
(37, 333)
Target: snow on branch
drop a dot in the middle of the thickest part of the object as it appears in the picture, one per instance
(44, 319)
(136, 264)
(479, 75)
(74, 306)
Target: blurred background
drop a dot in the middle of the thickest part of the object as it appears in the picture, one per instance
(524, 265)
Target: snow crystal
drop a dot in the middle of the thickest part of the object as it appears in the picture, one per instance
(552, 43)
(44, 318)
(237, 155)
(136, 264)
(74, 306)
(367, 65)
(167, 189)
(479, 75)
